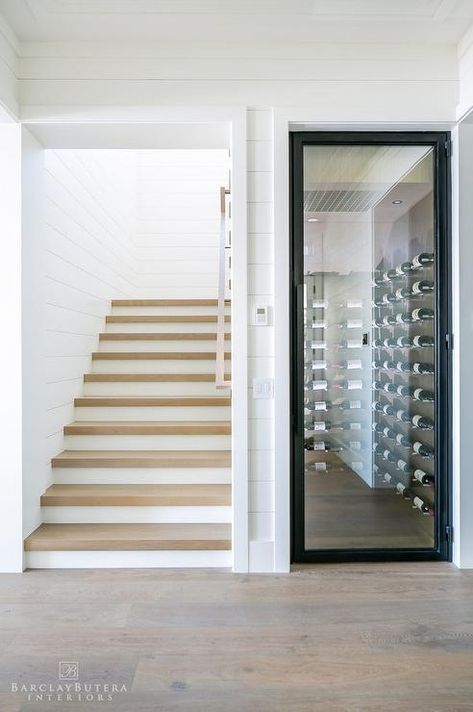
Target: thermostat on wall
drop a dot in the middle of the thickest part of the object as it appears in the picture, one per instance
(261, 316)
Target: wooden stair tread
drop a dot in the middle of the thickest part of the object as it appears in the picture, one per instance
(165, 495)
(139, 427)
(166, 302)
(161, 336)
(129, 537)
(143, 458)
(151, 401)
(163, 318)
(150, 377)
(157, 355)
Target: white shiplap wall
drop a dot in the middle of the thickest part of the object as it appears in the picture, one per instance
(178, 222)
(84, 226)
(260, 338)
(88, 224)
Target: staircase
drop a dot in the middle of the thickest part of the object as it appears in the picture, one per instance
(145, 477)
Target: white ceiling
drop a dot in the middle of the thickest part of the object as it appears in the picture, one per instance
(346, 21)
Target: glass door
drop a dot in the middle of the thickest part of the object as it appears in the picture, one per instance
(370, 346)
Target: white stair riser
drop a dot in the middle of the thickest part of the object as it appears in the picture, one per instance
(166, 311)
(148, 442)
(153, 413)
(151, 388)
(167, 327)
(175, 346)
(156, 365)
(136, 515)
(127, 559)
(141, 475)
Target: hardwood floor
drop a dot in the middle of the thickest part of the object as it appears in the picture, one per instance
(342, 512)
(331, 638)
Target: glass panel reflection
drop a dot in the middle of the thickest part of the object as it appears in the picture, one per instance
(369, 317)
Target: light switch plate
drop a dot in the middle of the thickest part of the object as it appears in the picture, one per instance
(263, 387)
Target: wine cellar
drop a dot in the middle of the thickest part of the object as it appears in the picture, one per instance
(367, 324)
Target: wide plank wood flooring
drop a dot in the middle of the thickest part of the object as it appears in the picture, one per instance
(328, 638)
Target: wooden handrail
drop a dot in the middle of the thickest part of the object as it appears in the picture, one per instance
(223, 267)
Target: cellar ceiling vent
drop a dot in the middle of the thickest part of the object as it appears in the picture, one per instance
(340, 201)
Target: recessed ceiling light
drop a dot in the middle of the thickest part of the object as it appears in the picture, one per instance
(397, 202)
(312, 219)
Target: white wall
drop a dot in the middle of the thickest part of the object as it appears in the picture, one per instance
(384, 82)
(78, 221)
(11, 540)
(9, 68)
(463, 346)
(260, 338)
(178, 222)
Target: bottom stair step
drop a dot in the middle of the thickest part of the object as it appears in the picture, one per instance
(130, 537)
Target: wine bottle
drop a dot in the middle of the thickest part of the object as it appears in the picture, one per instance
(403, 366)
(318, 324)
(401, 439)
(318, 445)
(402, 489)
(402, 293)
(321, 426)
(404, 318)
(377, 406)
(323, 467)
(422, 449)
(349, 385)
(404, 342)
(384, 386)
(352, 324)
(379, 323)
(389, 298)
(377, 363)
(389, 320)
(389, 433)
(352, 304)
(390, 343)
(349, 405)
(378, 343)
(319, 304)
(404, 268)
(422, 287)
(388, 455)
(351, 365)
(390, 275)
(421, 394)
(388, 409)
(389, 365)
(319, 385)
(318, 365)
(346, 425)
(424, 478)
(388, 478)
(356, 445)
(423, 314)
(319, 405)
(420, 421)
(420, 504)
(423, 368)
(423, 341)
(379, 282)
(406, 391)
(404, 466)
(422, 260)
(403, 416)
(377, 427)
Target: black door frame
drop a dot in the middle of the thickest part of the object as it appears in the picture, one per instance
(441, 142)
